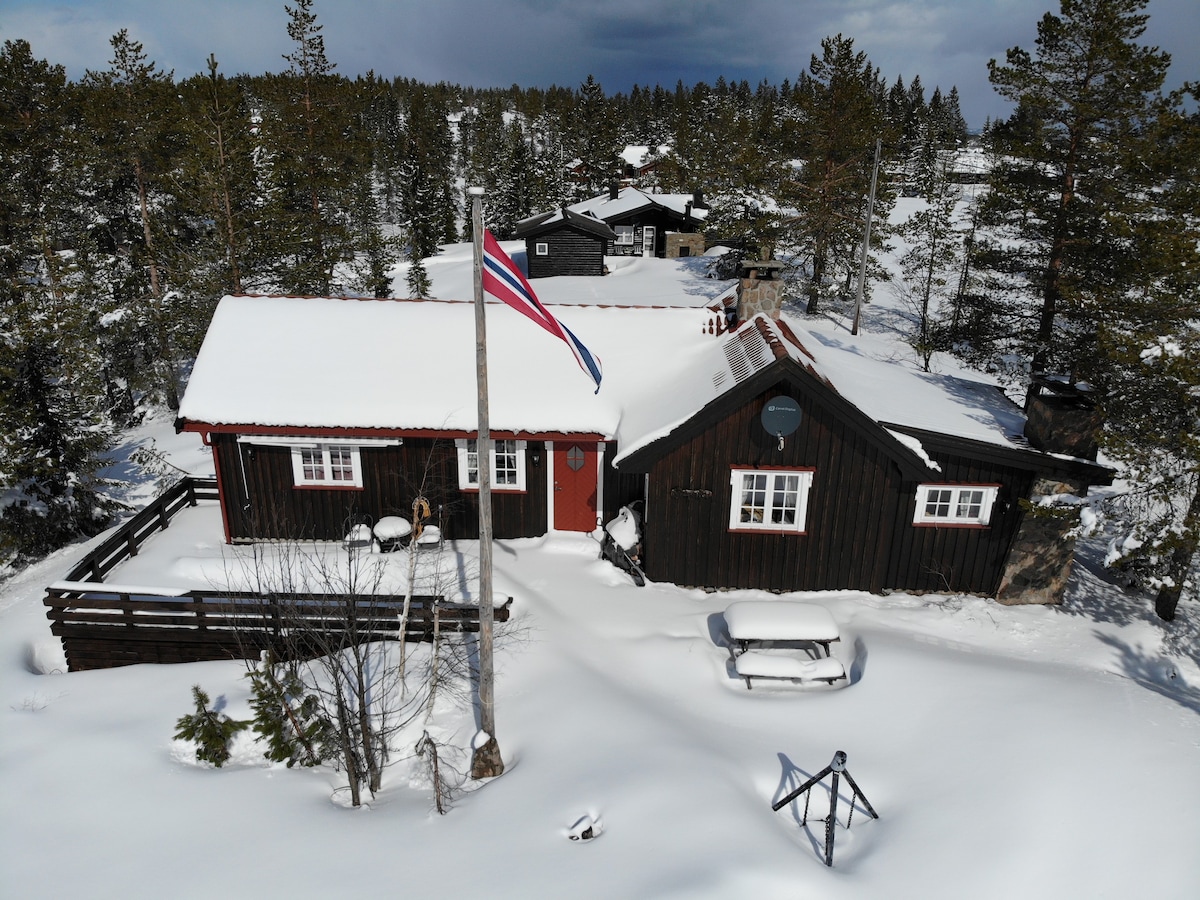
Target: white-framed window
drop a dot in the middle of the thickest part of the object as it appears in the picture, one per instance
(327, 465)
(769, 499)
(508, 465)
(624, 235)
(541, 249)
(955, 504)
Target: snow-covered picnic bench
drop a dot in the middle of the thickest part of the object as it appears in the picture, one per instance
(764, 635)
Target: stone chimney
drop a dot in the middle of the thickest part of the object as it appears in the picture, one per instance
(760, 289)
(1062, 418)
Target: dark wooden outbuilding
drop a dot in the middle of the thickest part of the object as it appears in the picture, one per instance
(564, 243)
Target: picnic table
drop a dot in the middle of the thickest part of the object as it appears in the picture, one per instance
(758, 629)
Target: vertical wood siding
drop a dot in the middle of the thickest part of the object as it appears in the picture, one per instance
(262, 502)
(859, 532)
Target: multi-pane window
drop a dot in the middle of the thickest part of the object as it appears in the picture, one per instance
(950, 504)
(507, 469)
(769, 500)
(624, 235)
(327, 466)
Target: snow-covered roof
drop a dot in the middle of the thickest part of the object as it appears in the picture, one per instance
(410, 365)
(638, 154)
(887, 391)
(630, 199)
(543, 222)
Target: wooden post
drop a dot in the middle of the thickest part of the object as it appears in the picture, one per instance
(486, 761)
(866, 245)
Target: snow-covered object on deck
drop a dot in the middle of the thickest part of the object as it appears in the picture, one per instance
(430, 536)
(392, 528)
(624, 529)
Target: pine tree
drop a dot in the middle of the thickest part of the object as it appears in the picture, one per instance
(211, 730)
(931, 261)
(835, 136)
(139, 124)
(1084, 99)
(314, 162)
(427, 204)
(53, 431)
(1150, 349)
(1096, 199)
(599, 143)
(287, 717)
(219, 178)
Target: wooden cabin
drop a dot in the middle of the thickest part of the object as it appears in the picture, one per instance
(763, 456)
(638, 224)
(564, 243)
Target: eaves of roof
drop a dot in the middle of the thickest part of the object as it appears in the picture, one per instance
(564, 218)
(1093, 473)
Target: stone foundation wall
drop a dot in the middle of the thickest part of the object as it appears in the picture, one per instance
(1040, 562)
(693, 242)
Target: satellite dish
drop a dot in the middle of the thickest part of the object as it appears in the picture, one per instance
(780, 417)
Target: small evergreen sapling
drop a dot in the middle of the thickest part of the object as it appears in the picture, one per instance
(288, 718)
(211, 730)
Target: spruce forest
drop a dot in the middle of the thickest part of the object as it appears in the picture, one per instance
(132, 200)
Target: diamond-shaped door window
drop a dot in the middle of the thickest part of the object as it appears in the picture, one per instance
(575, 458)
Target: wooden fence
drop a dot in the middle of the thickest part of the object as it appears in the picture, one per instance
(126, 540)
(104, 625)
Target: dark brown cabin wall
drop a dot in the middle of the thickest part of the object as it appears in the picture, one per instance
(513, 515)
(661, 221)
(262, 501)
(233, 496)
(971, 560)
(687, 536)
(570, 253)
(620, 488)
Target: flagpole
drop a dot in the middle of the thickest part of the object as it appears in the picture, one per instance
(485, 761)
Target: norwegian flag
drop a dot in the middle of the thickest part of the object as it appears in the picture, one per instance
(504, 281)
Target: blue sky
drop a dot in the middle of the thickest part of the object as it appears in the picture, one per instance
(489, 43)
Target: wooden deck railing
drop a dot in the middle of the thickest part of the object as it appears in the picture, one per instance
(157, 515)
(104, 625)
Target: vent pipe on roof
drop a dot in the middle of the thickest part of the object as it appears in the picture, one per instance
(614, 190)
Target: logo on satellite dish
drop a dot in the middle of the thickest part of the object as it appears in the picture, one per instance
(780, 417)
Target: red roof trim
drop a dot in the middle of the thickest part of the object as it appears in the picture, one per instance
(311, 431)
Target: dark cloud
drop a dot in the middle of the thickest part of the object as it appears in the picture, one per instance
(491, 43)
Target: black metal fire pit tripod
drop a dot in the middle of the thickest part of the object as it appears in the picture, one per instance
(837, 767)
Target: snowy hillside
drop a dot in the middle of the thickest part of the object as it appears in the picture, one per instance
(1009, 751)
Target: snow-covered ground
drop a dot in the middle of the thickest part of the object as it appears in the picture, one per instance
(632, 280)
(1009, 751)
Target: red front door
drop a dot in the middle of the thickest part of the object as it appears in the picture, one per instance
(574, 487)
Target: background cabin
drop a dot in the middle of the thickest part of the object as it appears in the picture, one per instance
(635, 223)
(564, 243)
